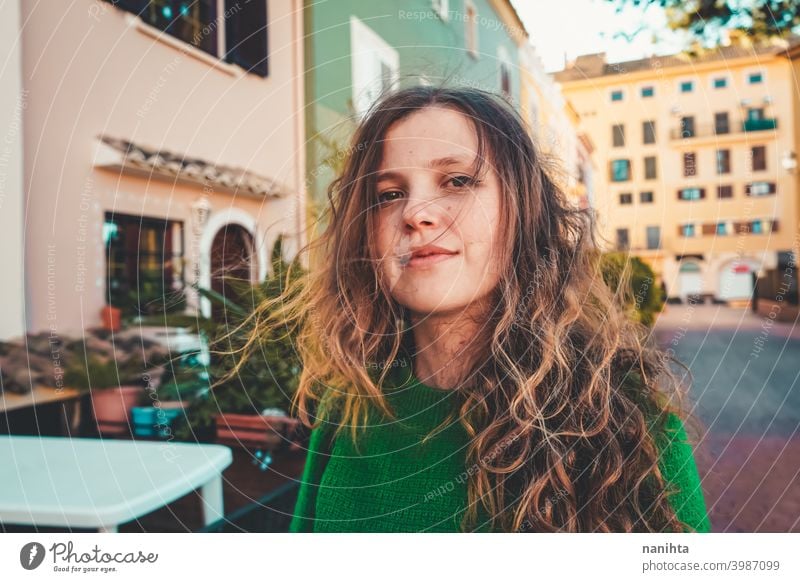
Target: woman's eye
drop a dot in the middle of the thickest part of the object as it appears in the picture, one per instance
(389, 196)
(462, 181)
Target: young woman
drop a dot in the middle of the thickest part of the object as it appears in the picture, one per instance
(466, 368)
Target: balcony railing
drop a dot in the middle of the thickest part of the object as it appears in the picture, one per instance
(711, 130)
(759, 124)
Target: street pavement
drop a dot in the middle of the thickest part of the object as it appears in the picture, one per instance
(745, 391)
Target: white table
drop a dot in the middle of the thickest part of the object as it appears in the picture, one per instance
(100, 484)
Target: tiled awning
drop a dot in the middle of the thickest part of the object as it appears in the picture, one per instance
(130, 158)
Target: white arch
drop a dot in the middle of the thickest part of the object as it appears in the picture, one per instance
(723, 288)
(690, 281)
(216, 222)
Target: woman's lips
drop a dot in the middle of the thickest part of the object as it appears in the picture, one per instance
(418, 261)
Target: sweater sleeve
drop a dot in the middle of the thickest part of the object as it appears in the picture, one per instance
(318, 454)
(678, 466)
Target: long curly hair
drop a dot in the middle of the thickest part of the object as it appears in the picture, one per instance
(566, 402)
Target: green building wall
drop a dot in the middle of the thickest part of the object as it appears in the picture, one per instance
(427, 45)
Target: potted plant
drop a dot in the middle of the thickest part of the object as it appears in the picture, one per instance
(184, 380)
(248, 409)
(116, 378)
(111, 317)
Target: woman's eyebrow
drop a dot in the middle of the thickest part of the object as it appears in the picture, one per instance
(436, 163)
(449, 161)
(388, 175)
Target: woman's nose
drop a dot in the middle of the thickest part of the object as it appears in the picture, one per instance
(422, 213)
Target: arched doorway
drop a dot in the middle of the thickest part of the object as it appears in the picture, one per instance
(690, 280)
(232, 259)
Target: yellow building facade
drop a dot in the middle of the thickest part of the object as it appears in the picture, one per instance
(696, 163)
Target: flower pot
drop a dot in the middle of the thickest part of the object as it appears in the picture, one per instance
(155, 421)
(111, 318)
(112, 408)
(255, 431)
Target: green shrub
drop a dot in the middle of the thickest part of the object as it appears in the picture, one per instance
(640, 295)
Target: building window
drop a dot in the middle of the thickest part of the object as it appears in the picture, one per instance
(755, 114)
(649, 132)
(723, 161)
(760, 189)
(756, 227)
(653, 237)
(620, 170)
(374, 65)
(623, 241)
(616, 95)
(755, 78)
(505, 71)
(144, 263)
(725, 191)
(246, 35)
(687, 126)
(689, 164)
(722, 228)
(196, 23)
(721, 123)
(618, 135)
(720, 83)
(648, 91)
(687, 86)
(650, 168)
(471, 29)
(687, 230)
(646, 197)
(758, 157)
(626, 198)
(505, 80)
(691, 194)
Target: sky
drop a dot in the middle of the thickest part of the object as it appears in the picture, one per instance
(576, 27)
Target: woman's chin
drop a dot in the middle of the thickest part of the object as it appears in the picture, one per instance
(437, 305)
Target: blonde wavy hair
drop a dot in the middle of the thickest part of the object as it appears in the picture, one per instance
(565, 405)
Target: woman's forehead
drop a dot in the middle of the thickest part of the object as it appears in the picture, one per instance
(430, 137)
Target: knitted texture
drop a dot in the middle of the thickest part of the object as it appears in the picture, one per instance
(389, 480)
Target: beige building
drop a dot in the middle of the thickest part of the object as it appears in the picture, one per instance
(163, 148)
(556, 125)
(697, 163)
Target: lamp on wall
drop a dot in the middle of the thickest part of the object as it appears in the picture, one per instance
(201, 210)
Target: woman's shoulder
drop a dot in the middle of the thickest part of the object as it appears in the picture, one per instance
(679, 470)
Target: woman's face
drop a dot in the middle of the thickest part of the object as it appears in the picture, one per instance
(426, 194)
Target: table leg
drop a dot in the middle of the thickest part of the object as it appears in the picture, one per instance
(107, 529)
(212, 500)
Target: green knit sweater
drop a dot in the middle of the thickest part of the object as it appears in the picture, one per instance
(389, 480)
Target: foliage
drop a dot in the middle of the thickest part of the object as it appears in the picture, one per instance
(641, 297)
(268, 374)
(132, 365)
(744, 22)
(149, 299)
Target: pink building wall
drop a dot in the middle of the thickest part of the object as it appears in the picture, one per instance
(90, 69)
